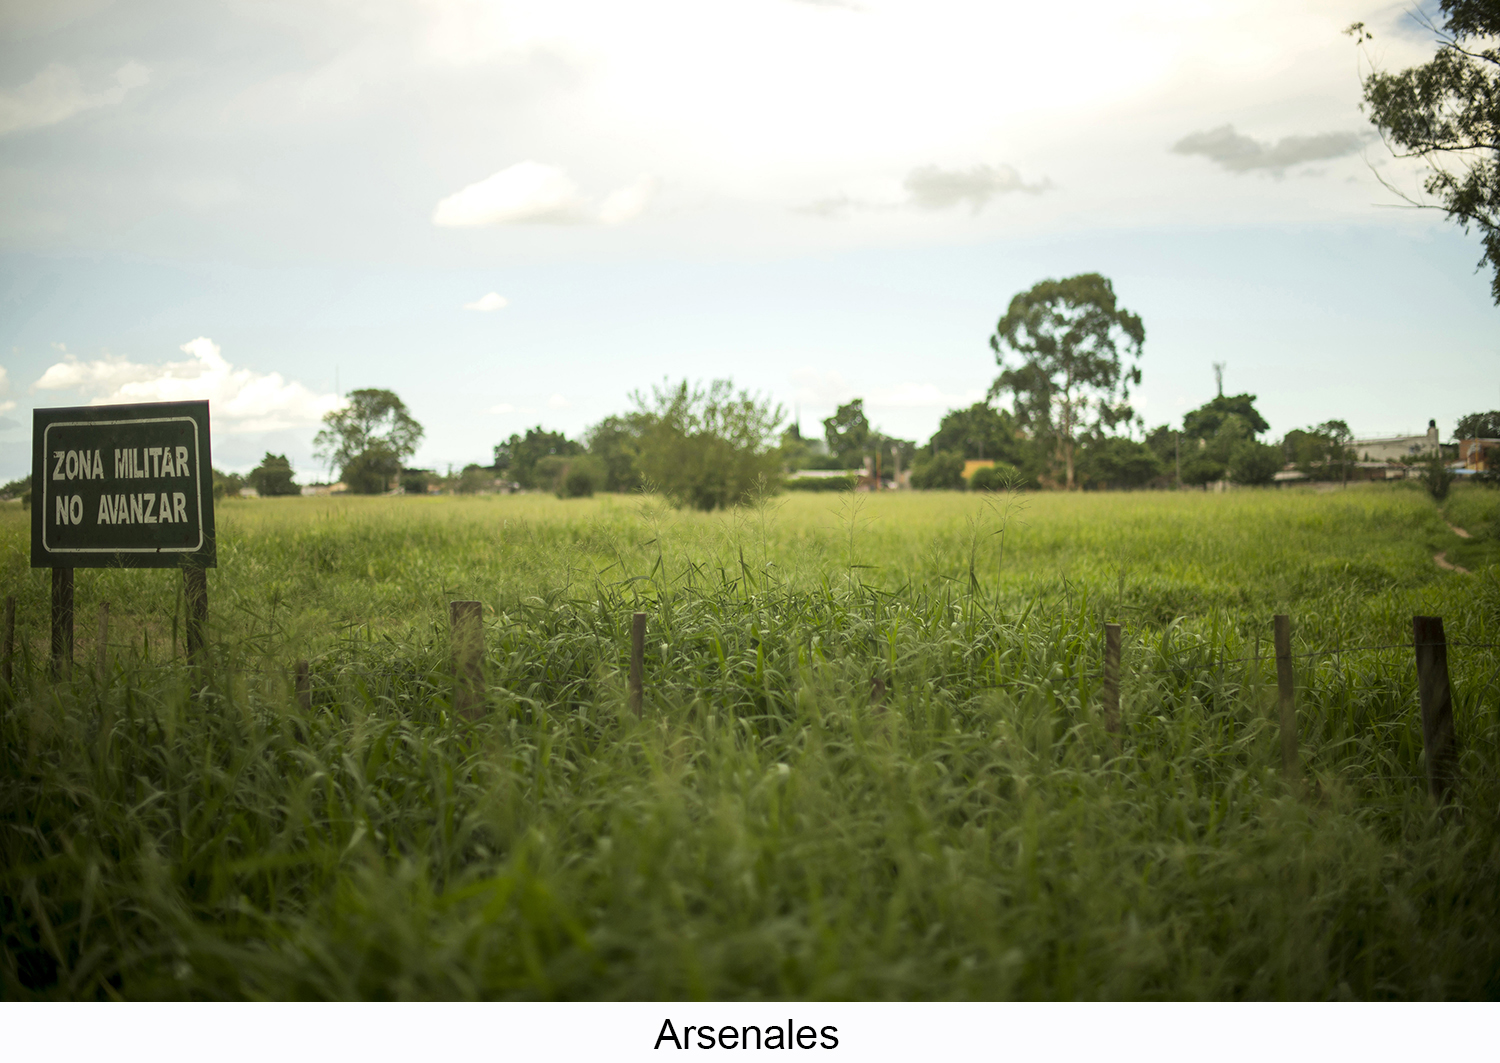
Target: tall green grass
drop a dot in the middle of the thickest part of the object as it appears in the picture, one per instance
(773, 826)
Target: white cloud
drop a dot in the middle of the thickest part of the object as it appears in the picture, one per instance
(242, 399)
(820, 387)
(1238, 153)
(531, 191)
(558, 402)
(528, 191)
(5, 404)
(57, 94)
(934, 188)
(488, 303)
(929, 188)
(626, 204)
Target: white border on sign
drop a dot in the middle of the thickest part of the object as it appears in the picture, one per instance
(197, 488)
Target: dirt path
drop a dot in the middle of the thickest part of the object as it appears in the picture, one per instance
(1456, 530)
(1441, 557)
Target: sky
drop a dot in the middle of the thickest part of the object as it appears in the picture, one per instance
(515, 214)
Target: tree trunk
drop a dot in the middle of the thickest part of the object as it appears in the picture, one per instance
(1068, 431)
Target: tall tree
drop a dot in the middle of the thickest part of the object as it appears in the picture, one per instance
(369, 439)
(848, 433)
(1339, 437)
(1069, 336)
(1446, 113)
(977, 432)
(616, 442)
(1478, 426)
(517, 457)
(1205, 421)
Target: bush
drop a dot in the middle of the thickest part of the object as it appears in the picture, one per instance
(1114, 461)
(575, 476)
(708, 447)
(414, 481)
(474, 479)
(273, 476)
(943, 471)
(1254, 463)
(998, 477)
(822, 483)
(585, 475)
(227, 483)
(18, 489)
(577, 484)
(1437, 477)
(1202, 469)
(371, 472)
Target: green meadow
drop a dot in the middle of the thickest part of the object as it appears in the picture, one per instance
(871, 762)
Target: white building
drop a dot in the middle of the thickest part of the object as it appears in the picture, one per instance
(1394, 448)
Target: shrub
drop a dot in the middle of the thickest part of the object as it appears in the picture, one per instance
(704, 448)
(1437, 477)
(371, 471)
(1001, 476)
(273, 476)
(1254, 463)
(822, 483)
(943, 471)
(18, 489)
(414, 481)
(1114, 461)
(579, 482)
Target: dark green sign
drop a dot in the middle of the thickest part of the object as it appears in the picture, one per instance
(122, 487)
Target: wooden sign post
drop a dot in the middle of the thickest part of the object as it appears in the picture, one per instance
(7, 652)
(1112, 677)
(1439, 738)
(122, 487)
(466, 627)
(1286, 696)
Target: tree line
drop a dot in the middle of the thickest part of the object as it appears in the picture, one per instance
(1068, 356)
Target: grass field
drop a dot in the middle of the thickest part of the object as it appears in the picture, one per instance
(768, 829)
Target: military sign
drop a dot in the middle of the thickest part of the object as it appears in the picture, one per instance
(122, 487)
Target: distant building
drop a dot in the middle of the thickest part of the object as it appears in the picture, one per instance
(1480, 455)
(1394, 448)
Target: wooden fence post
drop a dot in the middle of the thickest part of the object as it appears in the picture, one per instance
(7, 669)
(62, 622)
(1290, 766)
(195, 585)
(102, 651)
(637, 662)
(466, 624)
(303, 686)
(1439, 738)
(1112, 677)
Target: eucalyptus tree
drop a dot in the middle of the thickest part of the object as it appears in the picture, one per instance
(1075, 351)
(1446, 113)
